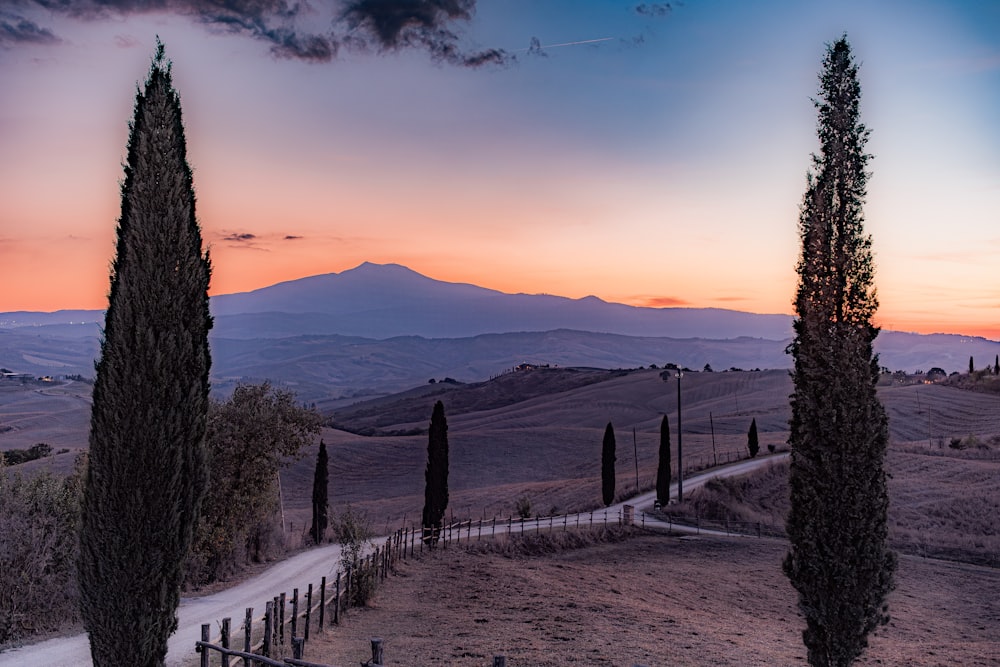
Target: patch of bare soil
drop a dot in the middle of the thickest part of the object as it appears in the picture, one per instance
(649, 600)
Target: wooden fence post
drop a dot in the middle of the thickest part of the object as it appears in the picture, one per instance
(336, 602)
(376, 651)
(298, 647)
(206, 631)
(274, 622)
(295, 613)
(309, 606)
(248, 635)
(499, 661)
(347, 586)
(226, 625)
(281, 619)
(268, 630)
(322, 602)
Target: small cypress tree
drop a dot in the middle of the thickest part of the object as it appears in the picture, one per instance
(972, 367)
(753, 444)
(996, 365)
(147, 467)
(663, 469)
(320, 504)
(436, 474)
(608, 465)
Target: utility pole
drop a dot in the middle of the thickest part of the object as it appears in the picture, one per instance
(635, 450)
(680, 461)
(715, 455)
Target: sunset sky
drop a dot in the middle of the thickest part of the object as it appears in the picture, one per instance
(645, 153)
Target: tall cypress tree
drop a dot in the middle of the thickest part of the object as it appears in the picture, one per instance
(320, 497)
(839, 561)
(436, 474)
(608, 465)
(753, 441)
(663, 469)
(147, 467)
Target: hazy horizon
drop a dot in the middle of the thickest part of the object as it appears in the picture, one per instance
(651, 154)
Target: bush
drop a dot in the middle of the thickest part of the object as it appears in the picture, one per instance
(13, 457)
(523, 507)
(353, 530)
(39, 519)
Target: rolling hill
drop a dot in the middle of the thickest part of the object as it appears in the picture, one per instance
(379, 329)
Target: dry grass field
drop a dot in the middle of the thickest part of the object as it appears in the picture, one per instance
(648, 600)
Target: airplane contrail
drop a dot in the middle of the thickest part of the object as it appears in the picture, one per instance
(582, 41)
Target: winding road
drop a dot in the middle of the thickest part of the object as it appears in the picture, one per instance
(296, 572)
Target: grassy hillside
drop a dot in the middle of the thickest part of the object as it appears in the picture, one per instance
(538, 434)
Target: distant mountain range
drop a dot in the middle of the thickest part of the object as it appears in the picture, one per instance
(379, 328)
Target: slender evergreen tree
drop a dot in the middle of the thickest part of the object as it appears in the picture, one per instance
(839, 561)
(320, 504)
(996, 365)
(147, 466)
(608, 465)
(436, 474)
(753, 442)
(663, 469)
(972, 367)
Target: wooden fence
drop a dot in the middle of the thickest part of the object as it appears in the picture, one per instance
(287, 621)
(291, 618)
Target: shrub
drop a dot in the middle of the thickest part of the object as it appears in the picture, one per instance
(523, 507)
(39, 518)
(353, 530)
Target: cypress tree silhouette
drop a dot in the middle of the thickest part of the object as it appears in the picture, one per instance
(753, 442)
(147, 467)
(320, 504)
(663, 469)
(436, 474)
(839, 561)
(608, 465)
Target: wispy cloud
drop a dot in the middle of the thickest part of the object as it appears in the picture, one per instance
(16, 29)
(661, 301)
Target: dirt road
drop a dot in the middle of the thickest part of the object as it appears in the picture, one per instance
(296, 572)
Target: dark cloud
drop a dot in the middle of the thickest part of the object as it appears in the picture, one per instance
(363, 25)
(16, 29)
(654, 9)
(292, 237)
(391, 25)
(239, 237)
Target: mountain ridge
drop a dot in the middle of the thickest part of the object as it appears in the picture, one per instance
(386, 300)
